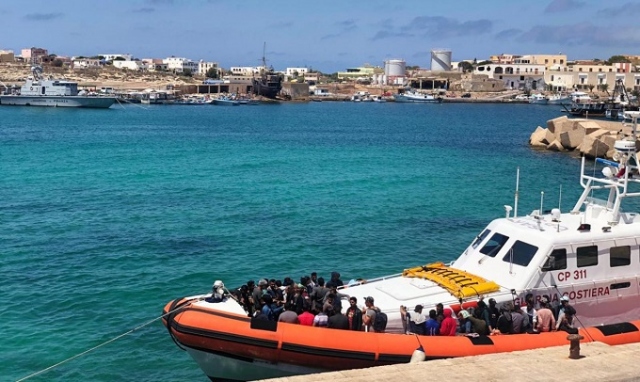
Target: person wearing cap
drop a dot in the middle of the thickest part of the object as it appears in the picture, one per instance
(416, 320)
(546, 321)
(563, 309)
(257, 294)
(368, 314)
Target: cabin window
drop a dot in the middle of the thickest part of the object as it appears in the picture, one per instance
(480, 238)
(520, 253)
(620, 285)
(587, 256)
(620, 256)
(494, 245)
(556, 261)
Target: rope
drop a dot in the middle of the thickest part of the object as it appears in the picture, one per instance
(102, 344)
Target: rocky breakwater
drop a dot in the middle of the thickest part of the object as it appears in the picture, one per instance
(593, 139)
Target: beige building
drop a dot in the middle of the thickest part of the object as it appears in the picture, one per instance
(366, 71)
(7, 56)
(34, 55)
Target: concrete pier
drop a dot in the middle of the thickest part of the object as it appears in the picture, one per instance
(599, 362)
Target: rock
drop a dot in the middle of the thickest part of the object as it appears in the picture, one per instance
(599, 133)
(593, 148)
(554, 124)
(549, 136)
(570, 139)
(538, 138)
(589, 126)
(555, 146)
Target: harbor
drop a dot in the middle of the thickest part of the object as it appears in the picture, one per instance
(598, 362)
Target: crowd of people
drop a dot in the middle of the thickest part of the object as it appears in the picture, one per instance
(510, 318)
(314, 302)
(311, 302)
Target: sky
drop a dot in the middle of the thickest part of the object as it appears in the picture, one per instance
(326, 35)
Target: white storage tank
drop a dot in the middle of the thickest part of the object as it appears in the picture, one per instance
(395, 68)
(440, 60)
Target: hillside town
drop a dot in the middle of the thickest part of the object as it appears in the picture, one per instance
(508, 74)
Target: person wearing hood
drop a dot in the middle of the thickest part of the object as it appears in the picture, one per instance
(448, 324)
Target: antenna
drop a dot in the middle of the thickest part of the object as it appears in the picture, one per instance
(515, 203)
(560, 198)
(541, 201)
(264, 58)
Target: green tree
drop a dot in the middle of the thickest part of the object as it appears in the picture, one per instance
(466, 66)
(212, 73)
(485, 62)
(616, 59)
(119, 59)
(57, 63)
(187, 73)
(604, 87)
(591, 86)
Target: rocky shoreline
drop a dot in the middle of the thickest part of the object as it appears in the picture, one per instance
(591, 138)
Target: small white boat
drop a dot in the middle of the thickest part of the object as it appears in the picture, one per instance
(538, 99)
(559, 99)
(225, 101)
(416, 97)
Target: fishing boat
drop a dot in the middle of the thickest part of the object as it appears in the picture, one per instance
(269, 83)
(416, 97)
(38, 91)
(589, 255)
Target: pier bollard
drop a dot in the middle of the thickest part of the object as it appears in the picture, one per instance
(574, 347)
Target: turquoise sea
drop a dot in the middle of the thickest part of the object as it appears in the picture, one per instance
(106, 215)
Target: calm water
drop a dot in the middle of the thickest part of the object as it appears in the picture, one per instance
(106, 215)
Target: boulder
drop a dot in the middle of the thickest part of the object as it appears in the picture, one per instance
(589, 126)
(570, 139)
(599, 133)
(549, 136)
(593, 148)
(555, 146)
(554, 124)
(538, 137)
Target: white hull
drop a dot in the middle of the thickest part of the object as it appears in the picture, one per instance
(220, 367)
(57, 101)
(416, 98)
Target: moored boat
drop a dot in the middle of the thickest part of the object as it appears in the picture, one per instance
(416, 97)
(538, 99)
(38, 91)
(589, 255)
(225, 101)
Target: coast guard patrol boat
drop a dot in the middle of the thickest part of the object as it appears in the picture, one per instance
(590, 254)
(38, 91)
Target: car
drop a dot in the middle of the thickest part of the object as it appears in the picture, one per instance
(466, 95)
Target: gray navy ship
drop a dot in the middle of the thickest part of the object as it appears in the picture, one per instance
(38, 91)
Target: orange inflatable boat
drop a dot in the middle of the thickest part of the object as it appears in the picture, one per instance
(235, 347)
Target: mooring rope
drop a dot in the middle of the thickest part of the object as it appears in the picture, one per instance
(104, 343)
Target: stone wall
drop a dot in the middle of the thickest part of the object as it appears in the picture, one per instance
(593, 139)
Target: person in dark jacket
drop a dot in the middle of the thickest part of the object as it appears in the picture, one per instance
(354, 315)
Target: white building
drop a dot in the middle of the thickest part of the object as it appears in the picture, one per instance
(246, 70)
(113, 56)
(290, 72)
(83, 63)
(515, 76)
(129, 65)
(180, 64)
(205, 66)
